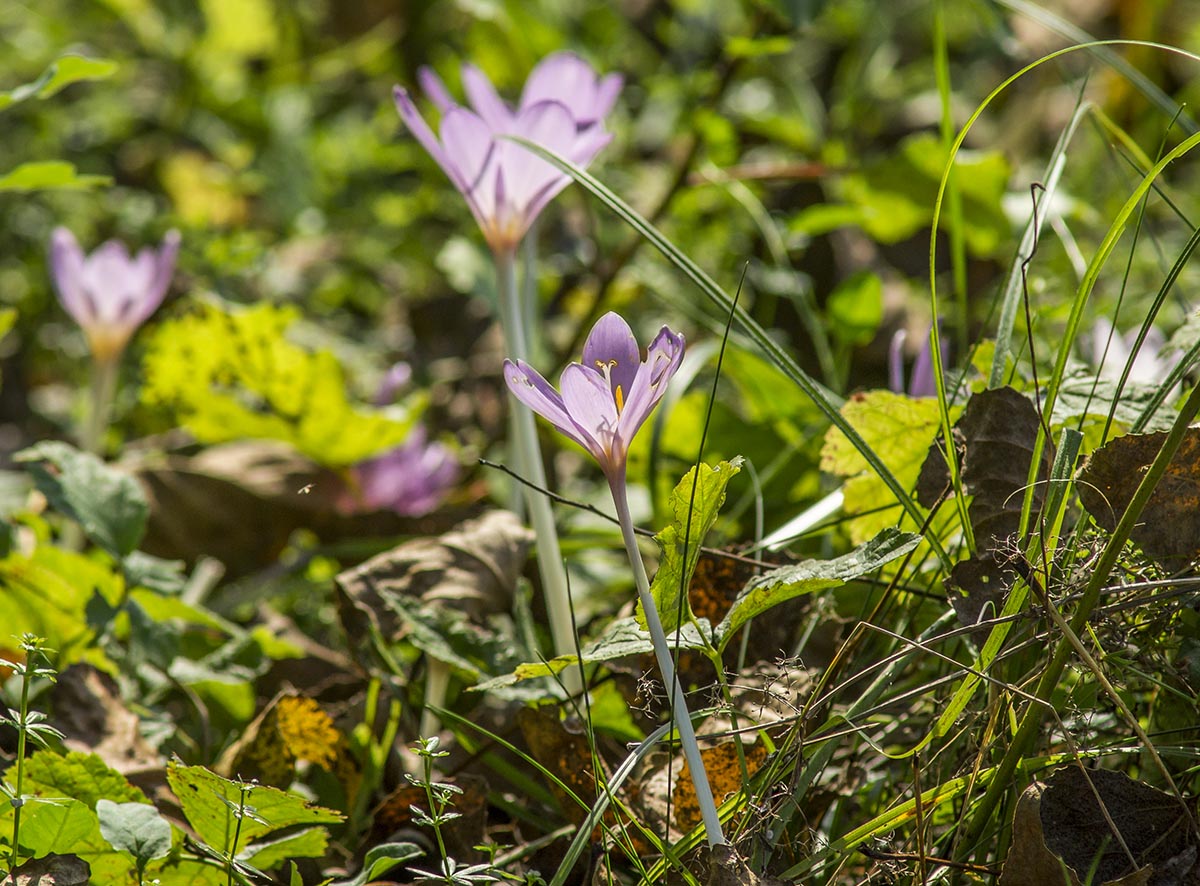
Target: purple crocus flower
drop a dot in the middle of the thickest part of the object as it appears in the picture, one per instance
(110, 293)
(921, 383)
(562, 109)
(606, 398)
(412, 479)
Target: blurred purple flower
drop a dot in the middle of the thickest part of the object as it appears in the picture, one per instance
(606, 398)
(109, 293)
(1111, 352)
(411, 479)
(394, 380)
(562, 109)
(921, 383)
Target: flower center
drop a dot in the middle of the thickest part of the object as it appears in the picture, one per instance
(606, 368)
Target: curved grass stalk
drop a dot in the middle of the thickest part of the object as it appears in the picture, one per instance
(824, 399)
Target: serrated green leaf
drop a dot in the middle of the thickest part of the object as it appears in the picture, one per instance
(57, 76)
(207, 798)
(136, 828)
(782, 584)
(268, 854)
(233, 374)
(900, 430)
(84, 777)
(381, 859)
(108, 504)
(46, 174)
(54, 826)
(694, 516)
(622, 637)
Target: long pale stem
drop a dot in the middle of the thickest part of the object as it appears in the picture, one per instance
(104, 387)
(528, 456)
(662, 651)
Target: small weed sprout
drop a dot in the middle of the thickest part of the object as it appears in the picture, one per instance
(30, 726)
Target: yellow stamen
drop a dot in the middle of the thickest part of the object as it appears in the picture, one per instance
(620, 397)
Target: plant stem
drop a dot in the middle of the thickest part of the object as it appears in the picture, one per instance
(104, 386)
(19, 800)
(528, 456)
(677, 706)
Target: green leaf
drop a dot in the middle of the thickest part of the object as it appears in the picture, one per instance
(84, 777)
(209, 802)
(136, 828)
(695, 504)
(622, 637)
(109, 505)
(787, 582)
(899, 429)
(45, 174)
(233, 374)
(894, 197)
(268, 854)
(155, 573)
(855, 309)
(60, 74)
(54, 825)
(381, 859)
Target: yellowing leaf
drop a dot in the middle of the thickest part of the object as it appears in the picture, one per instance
(233, 374)
(900, 429)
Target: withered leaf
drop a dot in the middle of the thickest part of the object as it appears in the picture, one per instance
(978, 587)
(1169, 527)
(88, 710)
(1063, 821)
(565, 754)
(51, 870)
(724, 777)
(473, 567)
(994, 439)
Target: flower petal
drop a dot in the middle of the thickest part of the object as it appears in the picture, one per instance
(435, 90)
(164, 270)
(66, 270)
(529, 178)
(663, 358)
(528, 386)
(611, 349)
(484, 99)
(420, 129)
(470, 148)
(896, 361)
(589, 402)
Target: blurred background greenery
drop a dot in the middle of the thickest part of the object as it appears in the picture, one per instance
(798, 140)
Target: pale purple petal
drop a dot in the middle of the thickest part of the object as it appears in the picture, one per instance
(606, 96)
(589, 403)
(566, 78)
(663, 359)
(396, 378)
(471, 149)
(922, 382)
(66, 270)
(163, 263)
(483, 98)
(435, 90)
(611, 349)
(412, 479)
(528, 386)
(424, 135)
(1105, 344)
(550, 125)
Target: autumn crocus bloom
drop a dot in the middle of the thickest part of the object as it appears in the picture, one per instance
(921, 383)
(506, 185)
(110, 293)
(606, 398)
(412, 479)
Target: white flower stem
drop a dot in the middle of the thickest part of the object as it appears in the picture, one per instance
(528, 456)
(104, 387)
(678, 706)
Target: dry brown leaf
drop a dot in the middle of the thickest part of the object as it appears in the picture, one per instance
(565, 754)
(724, 777)
(51, 870)
(1061, 823)
(474, 568)
(89, 712)
(1169, 527)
